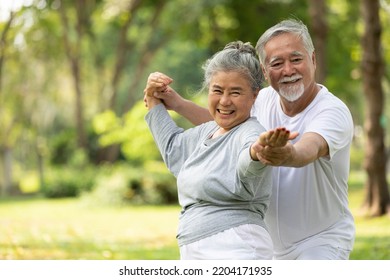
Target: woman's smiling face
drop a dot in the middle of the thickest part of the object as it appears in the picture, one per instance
(230, 99)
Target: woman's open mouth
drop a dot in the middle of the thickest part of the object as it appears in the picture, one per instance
(225, 112)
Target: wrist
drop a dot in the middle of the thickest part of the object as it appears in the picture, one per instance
(252, 153)
(152, 101)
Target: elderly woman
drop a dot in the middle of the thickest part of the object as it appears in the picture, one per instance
(223, 190)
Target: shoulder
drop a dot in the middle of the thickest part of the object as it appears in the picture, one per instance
(266, 99)
(267, 93)
(205, 128)
(327, 103)
(325, 95)
(249, 130)
(330, 117)
(252, 123)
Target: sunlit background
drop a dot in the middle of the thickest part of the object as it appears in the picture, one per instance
(80, 176)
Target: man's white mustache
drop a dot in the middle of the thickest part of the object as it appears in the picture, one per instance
(290, 79)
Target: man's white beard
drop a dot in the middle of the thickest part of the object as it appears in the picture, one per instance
(292, 92)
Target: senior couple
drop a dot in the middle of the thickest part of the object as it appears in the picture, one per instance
(263, 173)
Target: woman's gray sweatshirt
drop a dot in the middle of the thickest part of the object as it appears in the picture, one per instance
(219, 185)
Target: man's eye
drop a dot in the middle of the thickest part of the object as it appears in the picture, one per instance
(235, 93)
(275, 65)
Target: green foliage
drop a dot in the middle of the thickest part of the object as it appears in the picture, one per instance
(187, 73)
(10, 131)
(114, 188)
(68, 181)
(131, 132)
(357, 158)
(29, 183)
(254, 17)
(62, 146)
(343, 56)
(138, 144)
(118, 185)
(159, 185)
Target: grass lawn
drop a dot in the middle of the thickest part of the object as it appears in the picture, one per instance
(372, 234)
(70, 229)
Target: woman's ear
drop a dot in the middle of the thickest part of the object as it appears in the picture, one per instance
(256, 93)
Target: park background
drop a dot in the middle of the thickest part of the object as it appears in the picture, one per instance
(80, 176)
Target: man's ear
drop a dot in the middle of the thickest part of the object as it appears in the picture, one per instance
(264, 72)
(313, 59)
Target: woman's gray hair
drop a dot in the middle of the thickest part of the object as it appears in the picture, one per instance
(238, 57)
(286, 26)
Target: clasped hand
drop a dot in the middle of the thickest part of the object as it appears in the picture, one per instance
(157, 91)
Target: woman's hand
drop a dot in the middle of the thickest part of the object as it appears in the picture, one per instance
(157, 82)
(273, 146)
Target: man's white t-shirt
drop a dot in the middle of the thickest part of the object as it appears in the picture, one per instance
(309, 205)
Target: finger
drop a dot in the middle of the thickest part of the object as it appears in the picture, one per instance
(156, 84)
(285, 137)
(263, 138)
(150, 90)
(165, 78)
(293, 135)
(256, 146)
(262, 159)
(271, 154)
(282, 139)
(161, 93)
(159, 78)
(275, 136)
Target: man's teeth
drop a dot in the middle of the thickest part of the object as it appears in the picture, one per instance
(290, 81)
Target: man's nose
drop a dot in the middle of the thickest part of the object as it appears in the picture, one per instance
(288, 68)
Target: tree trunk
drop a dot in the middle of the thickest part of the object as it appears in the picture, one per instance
(377, 200)
(3, 45)
(319, 29)
(73, 53)
(7, 169)
(147, 55)
(123, 49)
(5, 149)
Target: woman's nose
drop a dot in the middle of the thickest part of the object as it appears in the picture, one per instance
(225, 99)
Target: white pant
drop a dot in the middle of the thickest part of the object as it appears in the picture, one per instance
(245, 242)
(320, 252)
